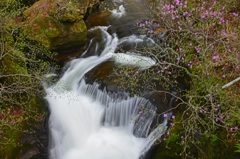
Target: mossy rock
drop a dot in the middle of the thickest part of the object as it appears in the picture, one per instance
(10, 140)
(18, 123)
(57, 24)
(13, 64)
(16, 107)
(43, 30)
(74, 34)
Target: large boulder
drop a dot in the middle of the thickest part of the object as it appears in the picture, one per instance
(57, 24)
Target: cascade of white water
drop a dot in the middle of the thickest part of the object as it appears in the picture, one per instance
(119, 12)
(89, 123)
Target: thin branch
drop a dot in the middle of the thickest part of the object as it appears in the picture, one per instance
(231, 83)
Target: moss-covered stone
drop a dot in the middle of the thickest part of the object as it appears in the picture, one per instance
(57, 24)
(19, 107)
(74, 34)
(13, 116)
(13, 64)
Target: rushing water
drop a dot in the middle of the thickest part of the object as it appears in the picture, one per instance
(89, 123)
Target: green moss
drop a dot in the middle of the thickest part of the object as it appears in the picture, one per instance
(14, 63)
(11, 141)
(56, 25)
(18, 121)
(70, 12)
(21, 72)
(53, 34)
(79, 27)
(43, 29)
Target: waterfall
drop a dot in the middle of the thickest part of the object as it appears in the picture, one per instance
(90, 123)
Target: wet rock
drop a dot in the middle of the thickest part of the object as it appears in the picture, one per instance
(98, 19)
(29, 154)
(34, 145)
(99, 73)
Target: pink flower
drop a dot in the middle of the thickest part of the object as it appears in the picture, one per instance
(177, 2)
(206, 13)
(215, 57)
(224, 33)
(165, 115)
(235, 14)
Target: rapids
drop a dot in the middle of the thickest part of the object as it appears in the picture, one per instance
(90, 123)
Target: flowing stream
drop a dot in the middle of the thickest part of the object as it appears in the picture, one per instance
(91, 123)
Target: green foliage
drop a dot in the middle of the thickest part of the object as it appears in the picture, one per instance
(238, 147)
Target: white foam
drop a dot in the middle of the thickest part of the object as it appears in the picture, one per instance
(119, 12)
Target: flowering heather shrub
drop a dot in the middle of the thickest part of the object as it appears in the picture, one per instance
(205, 38)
